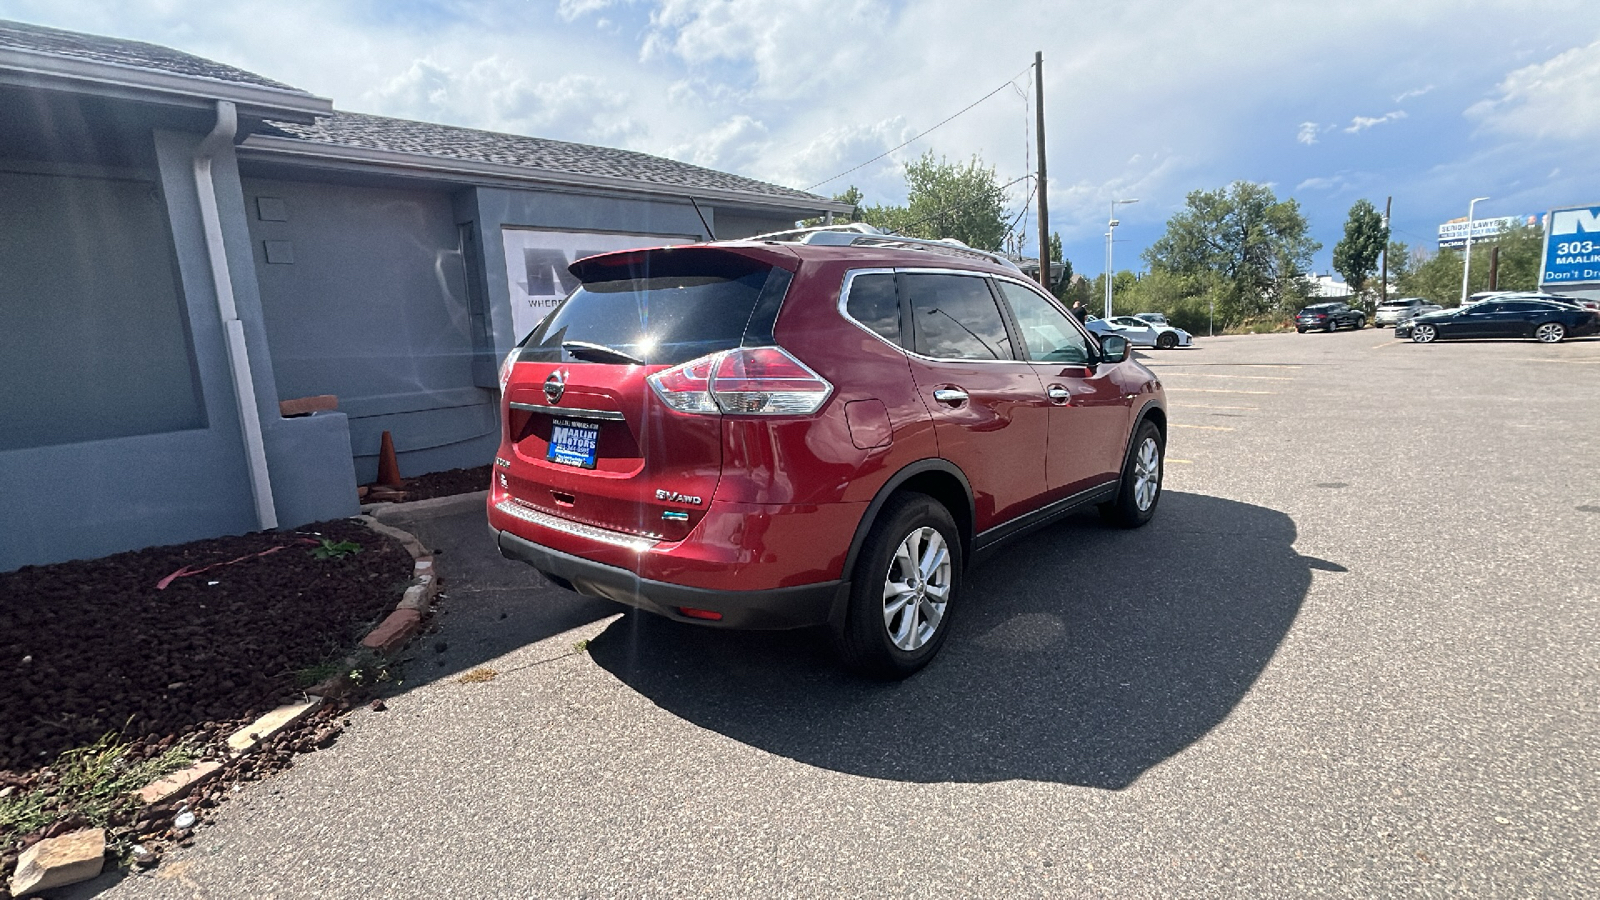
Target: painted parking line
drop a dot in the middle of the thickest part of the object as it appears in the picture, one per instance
(1576, 362)
(1389, 343)
(1176, 390)
(1187, 462)
(1208, 406)
(1251, 377)
(1204, 427)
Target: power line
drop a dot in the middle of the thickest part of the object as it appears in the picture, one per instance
(924, 134)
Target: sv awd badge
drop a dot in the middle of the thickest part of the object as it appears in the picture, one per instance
(675, 497)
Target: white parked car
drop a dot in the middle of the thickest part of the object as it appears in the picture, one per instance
(1141, 333)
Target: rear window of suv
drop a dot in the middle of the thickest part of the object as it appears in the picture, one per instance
(663, 308)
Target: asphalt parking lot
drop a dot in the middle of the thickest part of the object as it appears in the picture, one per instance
(1356, 654)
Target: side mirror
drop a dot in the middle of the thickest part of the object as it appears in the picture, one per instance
(1113, 348)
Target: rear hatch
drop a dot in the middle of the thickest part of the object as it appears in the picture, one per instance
(589, 439)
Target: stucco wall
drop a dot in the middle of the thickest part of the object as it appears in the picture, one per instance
(91, 498)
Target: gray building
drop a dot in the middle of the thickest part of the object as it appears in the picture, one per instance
(184, 245)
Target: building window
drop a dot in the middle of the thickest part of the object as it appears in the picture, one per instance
(94, 341)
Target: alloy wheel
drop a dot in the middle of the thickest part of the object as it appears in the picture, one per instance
(1423, 334)
(1550, 333)
(916, 589)
(1146, 474)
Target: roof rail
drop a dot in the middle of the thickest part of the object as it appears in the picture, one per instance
(860, 234)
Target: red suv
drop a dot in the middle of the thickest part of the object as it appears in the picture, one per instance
(824, 427)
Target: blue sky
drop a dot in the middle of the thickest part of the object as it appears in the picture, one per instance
(1432, 102)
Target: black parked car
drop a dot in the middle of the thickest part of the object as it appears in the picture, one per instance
(1545, 321)
(1329, 317)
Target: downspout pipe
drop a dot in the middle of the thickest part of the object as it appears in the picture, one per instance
(244, 387)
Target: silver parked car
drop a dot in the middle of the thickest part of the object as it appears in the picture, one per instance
(1141, 333)
(1393, 312)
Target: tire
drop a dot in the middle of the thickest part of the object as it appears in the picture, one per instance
(1333, 325)
(1361, 322)
(1142, 474)
(1166, 340)
(1424, 334)
(879, 640)
(1299, 330)
(1550, 333)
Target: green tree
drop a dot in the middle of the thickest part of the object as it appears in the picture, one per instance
(1438, 277)
(1521, 257)
(1400, 262)
(1356, 256)
(1056, 255)
(1243, 246)
(851, 195)
(947, 200)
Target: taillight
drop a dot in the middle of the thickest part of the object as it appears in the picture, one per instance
(687, 388)
(764, 381)
(767, 381)
(506, 366)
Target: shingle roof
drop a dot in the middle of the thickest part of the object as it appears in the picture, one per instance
(137, 54)
(540, 154)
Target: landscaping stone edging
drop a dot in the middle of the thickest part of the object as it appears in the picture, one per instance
(383, 640)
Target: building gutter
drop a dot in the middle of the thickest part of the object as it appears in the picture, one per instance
(28, 68)
(244, 388)
(265, 147)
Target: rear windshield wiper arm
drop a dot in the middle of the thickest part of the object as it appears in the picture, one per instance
(599, 353)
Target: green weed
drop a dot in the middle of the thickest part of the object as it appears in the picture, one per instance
(93, 782)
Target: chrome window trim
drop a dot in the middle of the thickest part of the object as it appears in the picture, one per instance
(599, 415)
(844, 297)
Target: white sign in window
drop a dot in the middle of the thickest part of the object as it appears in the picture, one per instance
(537, 260)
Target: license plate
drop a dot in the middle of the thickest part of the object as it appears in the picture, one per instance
(573, 443)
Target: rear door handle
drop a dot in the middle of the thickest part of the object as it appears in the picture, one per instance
(950, 396)
(1059, 394)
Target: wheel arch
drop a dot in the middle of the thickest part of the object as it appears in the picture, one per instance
(938, 478)
(1152, 412)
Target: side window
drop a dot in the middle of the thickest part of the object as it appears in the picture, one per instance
(1045, 331)
(873, 303)
(955, 317)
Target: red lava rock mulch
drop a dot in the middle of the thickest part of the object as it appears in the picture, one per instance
(93, 646)
(447, 483)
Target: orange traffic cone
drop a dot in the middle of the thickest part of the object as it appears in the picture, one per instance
(388, 465)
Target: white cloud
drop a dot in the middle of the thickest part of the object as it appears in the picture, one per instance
(497, 94)
(730, 146)
(1146, 98)
(1362, 123)
(572, 9)
(1557, 98)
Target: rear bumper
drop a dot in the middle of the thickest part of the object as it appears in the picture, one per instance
(771, 609)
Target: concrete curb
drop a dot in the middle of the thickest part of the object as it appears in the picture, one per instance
(435, 506)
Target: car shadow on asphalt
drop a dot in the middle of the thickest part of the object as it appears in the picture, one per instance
(1084, 655)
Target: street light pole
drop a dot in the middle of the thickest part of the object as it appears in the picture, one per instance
(1466, 259)
(1111, 228)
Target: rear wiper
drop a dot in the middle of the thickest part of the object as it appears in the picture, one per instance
(599, 353)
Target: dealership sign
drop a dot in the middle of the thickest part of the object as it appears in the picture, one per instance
(537, 260)
(1572, 247)
(1454, 234)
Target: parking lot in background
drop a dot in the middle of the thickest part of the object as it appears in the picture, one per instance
(1357, 653)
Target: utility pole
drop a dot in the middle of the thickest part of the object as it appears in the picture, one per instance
(1044, 195)
(1494, 268)
(1383, 285)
